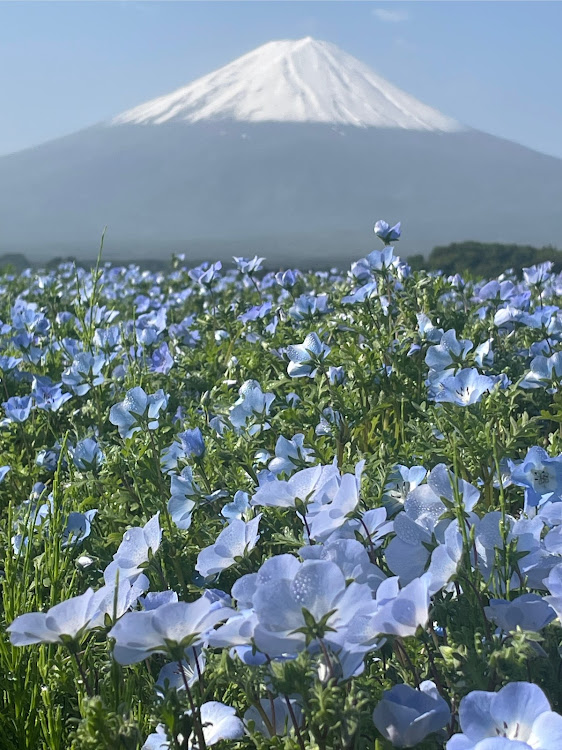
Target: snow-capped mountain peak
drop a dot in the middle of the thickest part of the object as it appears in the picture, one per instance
(293, 81)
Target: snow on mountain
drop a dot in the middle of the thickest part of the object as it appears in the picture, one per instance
(293, 81)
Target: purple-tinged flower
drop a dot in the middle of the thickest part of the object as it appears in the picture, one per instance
(48, 395)
(286, 279)
(290, 454)
(78, 527)
(192, 442)
(161, 360)
(405, 716)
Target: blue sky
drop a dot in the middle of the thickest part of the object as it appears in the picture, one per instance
(496, 66)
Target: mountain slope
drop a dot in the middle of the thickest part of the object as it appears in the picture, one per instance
(296, 191)
(293, 81)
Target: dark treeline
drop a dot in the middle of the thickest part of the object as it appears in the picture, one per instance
(485, 259)
(479, 259)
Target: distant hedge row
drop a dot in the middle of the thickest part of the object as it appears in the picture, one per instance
(479, 259)
(485, 259)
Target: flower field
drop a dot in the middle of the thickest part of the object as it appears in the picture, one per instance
(281, 510)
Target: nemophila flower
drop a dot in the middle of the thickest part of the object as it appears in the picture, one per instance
(252, 403)
(134, 551)
(350, 556)
(326, 514)
(179, 625)
(528, 612)
(84, 373)
(8, 363)
(78, 527)
(238, 508)
(68, 620)
(170, 676)
(137, 410)
(48, 396)
(398, 611)
(304, 358)
(290, 596)
(87, 455)
(273, 718)
(540, 473)
(543, 371)
(309, 305)
(248, 266)
(405, 716)
(158, 740)
(539, 274)
(286, 279)
(3, 471)
(387, 233)
(155, 599)
(465, 388)
(290, 454)
(219, 722)
(212, 274)
(161, 360)
(449, 352)
(180, 504)
(519, 712)
(554, 585)
(17, 409)
(235, 541)
(399, 483)
(336, 375)
(301, 486)
(49, 459)
(192, 443)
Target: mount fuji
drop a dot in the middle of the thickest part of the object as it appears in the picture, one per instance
(293, 151)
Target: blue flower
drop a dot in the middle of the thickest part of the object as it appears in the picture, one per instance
(305, 357)
(233, 543)
(17, 409)
(406, 716)
(519, 712)
(137, 410)
(87, 455)
(192, 442)
(465, 388)
(387, 233)
(248, 266)
(137, 635)
(48, 395)
(84, 373)
(161, 360)
(528, 612)
(252, 403)
(78, 527)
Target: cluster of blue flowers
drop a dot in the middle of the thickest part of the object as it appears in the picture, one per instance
(283, 509)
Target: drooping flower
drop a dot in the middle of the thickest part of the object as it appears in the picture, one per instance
(405, 716)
